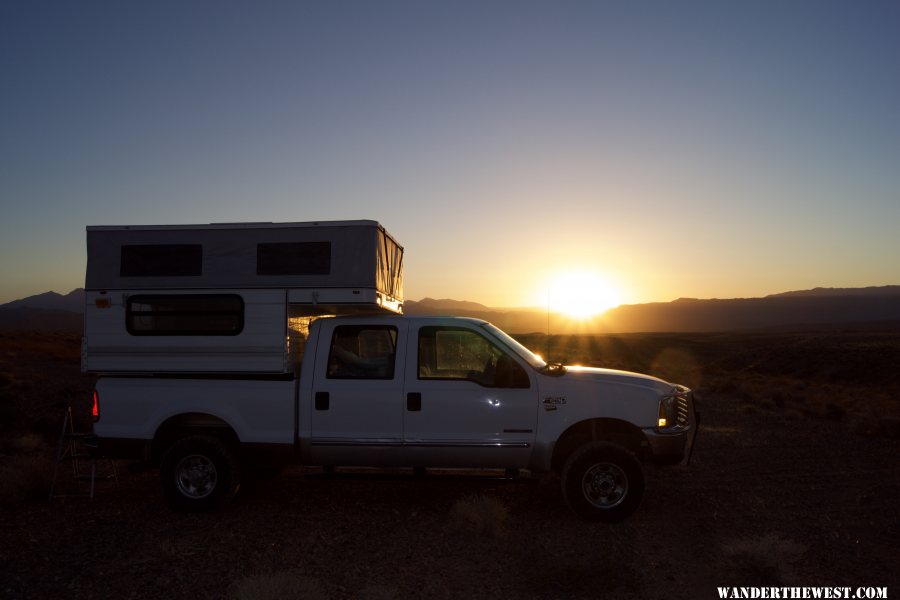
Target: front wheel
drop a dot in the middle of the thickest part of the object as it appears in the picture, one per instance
(603, 482)
(198, 473)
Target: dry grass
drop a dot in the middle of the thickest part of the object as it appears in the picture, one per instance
(765, 560)
(295, 584)
(24, 478)
(24, 443)
(837, 376)
(278, 586)
(310, 537)
(25, 469)
(40, 377)
(7, 379)
(31, 413)
(887, 426)
(480, 514)
(560, 573)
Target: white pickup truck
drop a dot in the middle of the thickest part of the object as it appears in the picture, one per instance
(401, 391)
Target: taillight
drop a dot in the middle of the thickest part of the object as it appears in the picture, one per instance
(95, 409)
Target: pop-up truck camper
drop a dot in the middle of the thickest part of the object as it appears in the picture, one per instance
(214, 359)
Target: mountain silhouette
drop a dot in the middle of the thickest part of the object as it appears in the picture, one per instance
(431, 306)
(790, 310)
(72, 302)
(49, 311)
(871, 307)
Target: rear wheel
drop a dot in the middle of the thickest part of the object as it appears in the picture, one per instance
(198, 473)
(603, 482)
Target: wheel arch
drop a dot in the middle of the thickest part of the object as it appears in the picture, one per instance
(584, 432)
(186, 424)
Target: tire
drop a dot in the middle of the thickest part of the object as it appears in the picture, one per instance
(603, 482)
(198, 473)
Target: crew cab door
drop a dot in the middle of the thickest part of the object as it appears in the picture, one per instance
(357, 410)
(470, 402)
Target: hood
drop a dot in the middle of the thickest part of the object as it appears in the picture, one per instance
(612, 376)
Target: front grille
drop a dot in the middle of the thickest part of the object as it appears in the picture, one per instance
(681, 411)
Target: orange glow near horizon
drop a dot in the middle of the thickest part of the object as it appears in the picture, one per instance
(582, 294)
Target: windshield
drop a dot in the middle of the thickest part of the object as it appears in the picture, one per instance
(524, 353)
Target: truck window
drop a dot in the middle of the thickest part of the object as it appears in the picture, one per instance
(362, 352)
(187, 314)
(456, 353)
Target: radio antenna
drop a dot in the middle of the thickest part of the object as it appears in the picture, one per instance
(548, 325)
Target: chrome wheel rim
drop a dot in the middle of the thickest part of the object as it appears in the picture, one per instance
(196, 476)
(605, 485)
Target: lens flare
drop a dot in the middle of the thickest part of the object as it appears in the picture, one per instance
(582, 294)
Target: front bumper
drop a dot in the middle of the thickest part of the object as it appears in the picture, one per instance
(674, 445)
(671, 448)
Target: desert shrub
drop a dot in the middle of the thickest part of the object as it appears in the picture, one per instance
(7, 379)
(765, 560)
(889, 427)
(21, 444)
(881, 427)
(779, 399)
(793, 414)
(722, 385)
(564, 576)
(11, 413)
(782, 398)
(375, 591)
(834, 412)
(25, 478)
(743, 395)
(278, 586)
(481, 514)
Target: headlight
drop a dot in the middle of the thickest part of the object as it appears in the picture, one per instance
(666, 412)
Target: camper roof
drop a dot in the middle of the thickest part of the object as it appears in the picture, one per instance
(294, 256)
(243, 225)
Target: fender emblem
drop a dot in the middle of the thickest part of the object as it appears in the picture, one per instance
(553, 402)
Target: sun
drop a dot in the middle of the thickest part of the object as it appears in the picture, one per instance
(581, 294)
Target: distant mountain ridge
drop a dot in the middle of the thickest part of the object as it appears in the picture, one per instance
(72, 302)
(49, 311)
(805, 309)
(791, 310)
(822, 292)
(431, 306)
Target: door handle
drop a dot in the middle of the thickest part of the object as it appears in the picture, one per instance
(322, 400)
(413, 401)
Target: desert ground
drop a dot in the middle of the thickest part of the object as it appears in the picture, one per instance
(795, 481)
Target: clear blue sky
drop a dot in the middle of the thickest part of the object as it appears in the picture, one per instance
(704, 149)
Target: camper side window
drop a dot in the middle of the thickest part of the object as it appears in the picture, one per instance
(188, 314)
(294, 258)
(161, 260)
(362, 352)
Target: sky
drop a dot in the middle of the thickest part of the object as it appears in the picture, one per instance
(673, 149)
